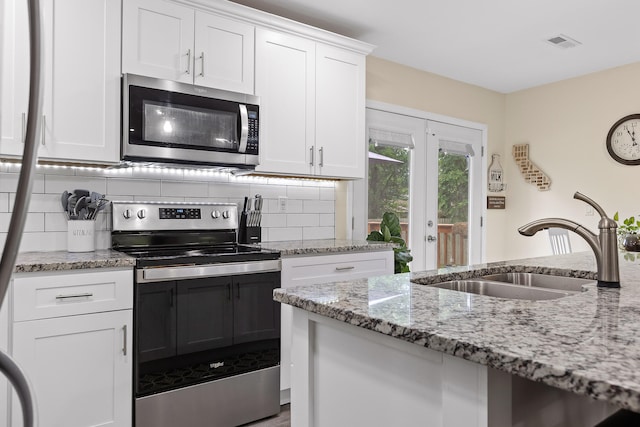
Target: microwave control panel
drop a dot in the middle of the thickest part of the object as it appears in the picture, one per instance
(252, 137)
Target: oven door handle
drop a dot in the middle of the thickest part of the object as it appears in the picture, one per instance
(159, 274)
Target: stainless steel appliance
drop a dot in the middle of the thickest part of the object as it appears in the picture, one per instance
(170, 122)
(206, 328)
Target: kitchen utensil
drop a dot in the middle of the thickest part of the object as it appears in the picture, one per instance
(80, 205)
(81, 193)
(64, 199)
(71, 204)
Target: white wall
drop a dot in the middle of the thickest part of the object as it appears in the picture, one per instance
(565, 125)
(310, 203)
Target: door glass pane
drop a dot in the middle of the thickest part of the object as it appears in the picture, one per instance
(388, 185)
(453, 209)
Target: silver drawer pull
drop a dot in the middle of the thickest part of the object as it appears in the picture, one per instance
(64, 297)
(124, 340)
(345, 268)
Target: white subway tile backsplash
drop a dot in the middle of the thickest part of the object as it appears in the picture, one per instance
(279, 234)
(303, 220)
(327, 220)
(310, 233)
(318, 206)
(4, 202)
(184, 189)
(9, 183)
(309, 213)
(34, 222)
(146, 187)
(307, 193)
(59, 183)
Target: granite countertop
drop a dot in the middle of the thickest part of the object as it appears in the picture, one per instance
(587, 343)
(324, 246)
(29, 262)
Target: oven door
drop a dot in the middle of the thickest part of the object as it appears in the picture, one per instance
(175, 122)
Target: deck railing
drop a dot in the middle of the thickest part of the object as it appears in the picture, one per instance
(453, 246)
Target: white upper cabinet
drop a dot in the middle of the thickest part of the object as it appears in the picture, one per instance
(14, 82)
(285, 83)
(224, 52)
(312, 100)
(340, 112)
(81, 110)
(174, 42)
(157, 39)
(81, 68)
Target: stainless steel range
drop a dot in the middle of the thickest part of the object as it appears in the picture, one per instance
(206, 328)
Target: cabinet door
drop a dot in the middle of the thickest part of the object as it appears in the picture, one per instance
(205, 314)
(14, 82)
(156, 320)
(340, 113)
(157, 39)
(82, 80)
(80, 368)
(285, 82)
(256, 316)
(4, 346)
(224, 52)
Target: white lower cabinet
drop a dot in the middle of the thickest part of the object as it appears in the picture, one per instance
(307, 270)
(75, 345)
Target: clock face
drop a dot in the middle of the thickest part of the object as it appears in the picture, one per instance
(623, 140)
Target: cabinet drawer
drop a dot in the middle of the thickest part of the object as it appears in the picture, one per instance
(331, 268)
(44, 295)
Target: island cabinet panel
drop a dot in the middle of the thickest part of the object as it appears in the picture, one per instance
(72, 334)
(4, 346)
(308, 270)
(346, 375)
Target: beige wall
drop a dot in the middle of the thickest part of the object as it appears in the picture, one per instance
(408, 87)
(565, 125)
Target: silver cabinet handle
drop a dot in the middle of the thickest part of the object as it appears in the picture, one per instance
(24, 123)
(321, 156)
(44, 127)
(311, 156)
(202, 59)
(351, 267)
(124, 340)
(64, 297)
(188, 61)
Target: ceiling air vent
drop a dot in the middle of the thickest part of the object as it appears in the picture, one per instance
(563, 41)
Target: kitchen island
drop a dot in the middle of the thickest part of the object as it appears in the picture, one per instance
(395, 345)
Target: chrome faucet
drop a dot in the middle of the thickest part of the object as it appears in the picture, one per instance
(604, 246)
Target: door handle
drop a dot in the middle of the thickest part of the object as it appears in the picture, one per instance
(431, 238)
(124, 340)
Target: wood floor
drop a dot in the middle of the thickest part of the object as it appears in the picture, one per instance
(283, 419)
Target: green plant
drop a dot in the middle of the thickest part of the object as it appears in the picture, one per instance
(390, 232)
(628, 226)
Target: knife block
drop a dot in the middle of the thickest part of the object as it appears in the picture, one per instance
(248, 234)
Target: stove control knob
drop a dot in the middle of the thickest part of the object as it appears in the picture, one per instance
(142, 213)
(225, 214)
(215, 214)
(127, 213)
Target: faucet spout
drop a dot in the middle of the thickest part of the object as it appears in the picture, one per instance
(604, 245)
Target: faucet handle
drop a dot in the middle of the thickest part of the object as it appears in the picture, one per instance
(587, 200)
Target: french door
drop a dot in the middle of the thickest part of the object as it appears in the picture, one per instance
(430, 174)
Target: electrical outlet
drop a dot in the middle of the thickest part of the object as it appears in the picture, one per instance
(282, 204)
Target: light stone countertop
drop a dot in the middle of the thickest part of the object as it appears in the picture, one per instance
(588, 343)
(324, 246)
(29, 262)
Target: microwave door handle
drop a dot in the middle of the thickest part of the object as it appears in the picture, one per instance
(244, 128)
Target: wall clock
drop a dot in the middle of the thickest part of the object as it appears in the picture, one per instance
(623, 140)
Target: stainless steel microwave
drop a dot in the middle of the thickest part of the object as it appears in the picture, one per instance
(170, 122)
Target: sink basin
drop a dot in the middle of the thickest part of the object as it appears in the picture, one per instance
(502, 290)
(541, 281)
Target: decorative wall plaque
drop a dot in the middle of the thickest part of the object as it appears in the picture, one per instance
(496, 202)
(531, 173)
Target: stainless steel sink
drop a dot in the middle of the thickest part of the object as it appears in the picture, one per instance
(541, 281)
(502, 290)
